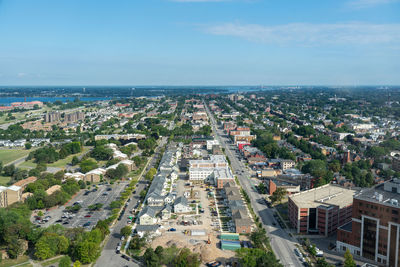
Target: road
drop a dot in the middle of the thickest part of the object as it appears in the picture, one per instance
(282, 244)
(109, 257)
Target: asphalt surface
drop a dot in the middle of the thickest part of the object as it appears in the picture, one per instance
(78, 220)
(282, 244)
(109, 257)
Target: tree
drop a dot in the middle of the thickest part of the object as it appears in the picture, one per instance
(65, 262)
(28, 146)
(348, 260)
(126, 230)
(87, 251)
(74, 161)
(256, 257)
(88, 165)
(150, 174)
(137, 242)
(77, 264)
(101, 153)
(259, 238)
(9, 170)
(150, 258)
(186, 258)
(278, 195)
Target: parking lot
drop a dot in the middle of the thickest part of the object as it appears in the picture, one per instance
(102, 194)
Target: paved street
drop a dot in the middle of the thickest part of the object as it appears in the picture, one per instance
(109, 257)
(281, 243)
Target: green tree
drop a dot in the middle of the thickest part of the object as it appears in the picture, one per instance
(348, 260)
(278, 195)
(9, 170)
(88, 165)
(259, 238)
(87, 252)
(65, 262)
(101, 153)
(256, 257)
(150, 258)
(77, 264)
(150, 174)
(126, 230)
(186, 258)
(28, 146)
(74, 161)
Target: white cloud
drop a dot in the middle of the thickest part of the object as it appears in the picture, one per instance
(368, 3)
(353, 33)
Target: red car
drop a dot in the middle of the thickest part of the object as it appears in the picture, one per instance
(88, 216)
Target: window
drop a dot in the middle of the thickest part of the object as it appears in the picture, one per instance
(395, 211)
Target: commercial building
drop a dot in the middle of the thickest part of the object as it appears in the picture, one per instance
(320, 210)
(374, 232)
(273, 184)
(222, 176)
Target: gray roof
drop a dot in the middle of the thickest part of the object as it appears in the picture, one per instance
(181, 200)
(243, 222)
(149, 211)
(167, 207)
(147, 228)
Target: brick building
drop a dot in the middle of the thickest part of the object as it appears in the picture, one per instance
(320, 210)
(374, 232)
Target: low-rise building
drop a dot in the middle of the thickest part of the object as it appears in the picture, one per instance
(181, 205)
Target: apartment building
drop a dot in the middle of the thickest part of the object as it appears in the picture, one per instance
(199, 170)
(10, 195)
(374, 231)
(320, 210)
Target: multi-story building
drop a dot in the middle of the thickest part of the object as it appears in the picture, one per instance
(10, 195)
(374, 231)
(320, 210)
(287, 164)
(222, 176)
(74, 116)
(53, 116)
(200, 170)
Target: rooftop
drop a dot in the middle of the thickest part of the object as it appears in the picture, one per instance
(387, 193)
(324, 195)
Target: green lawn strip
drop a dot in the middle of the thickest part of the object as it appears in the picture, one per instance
(12, 262)
(9, 155)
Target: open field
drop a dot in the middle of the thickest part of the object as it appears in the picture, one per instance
(63, 162)
(9, 155)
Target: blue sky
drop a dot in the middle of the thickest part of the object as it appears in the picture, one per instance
(199, 42)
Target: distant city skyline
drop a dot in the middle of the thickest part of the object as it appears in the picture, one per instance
(200, 42)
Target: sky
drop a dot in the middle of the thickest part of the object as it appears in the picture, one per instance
(200, 42)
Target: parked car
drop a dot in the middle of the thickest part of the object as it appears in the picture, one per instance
(125, 257)
(172, 230)
(297, 252)
(88, 216)
(87, 224)
(214, 264)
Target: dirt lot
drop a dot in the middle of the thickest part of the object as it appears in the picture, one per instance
(199, 221)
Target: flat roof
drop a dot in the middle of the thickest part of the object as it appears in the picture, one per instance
(372, 195)
(324, 195)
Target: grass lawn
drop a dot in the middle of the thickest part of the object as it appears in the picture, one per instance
(26, 265)
(4, 180)
(63, 162)
(9, 155)
(51, 262)
(27, 165)
(12, 262)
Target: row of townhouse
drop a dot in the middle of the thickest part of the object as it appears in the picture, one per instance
(159, 200)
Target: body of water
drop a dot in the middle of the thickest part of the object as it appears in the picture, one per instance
(6, 101)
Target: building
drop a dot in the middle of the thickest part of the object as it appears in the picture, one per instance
(290, 188)
(396, 163)
(52, 117)
(74, 116)
(242, 222)
(287, 164)
(211, 143)
(27, 105)
(23, 183)
(147, 216)
(374, 232)
(200, 170)
(94, 176)
(222, 176)
(51, 190)
(320, 210)
(181, 205)
(10, 195)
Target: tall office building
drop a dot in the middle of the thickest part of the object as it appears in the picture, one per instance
(374, 232)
